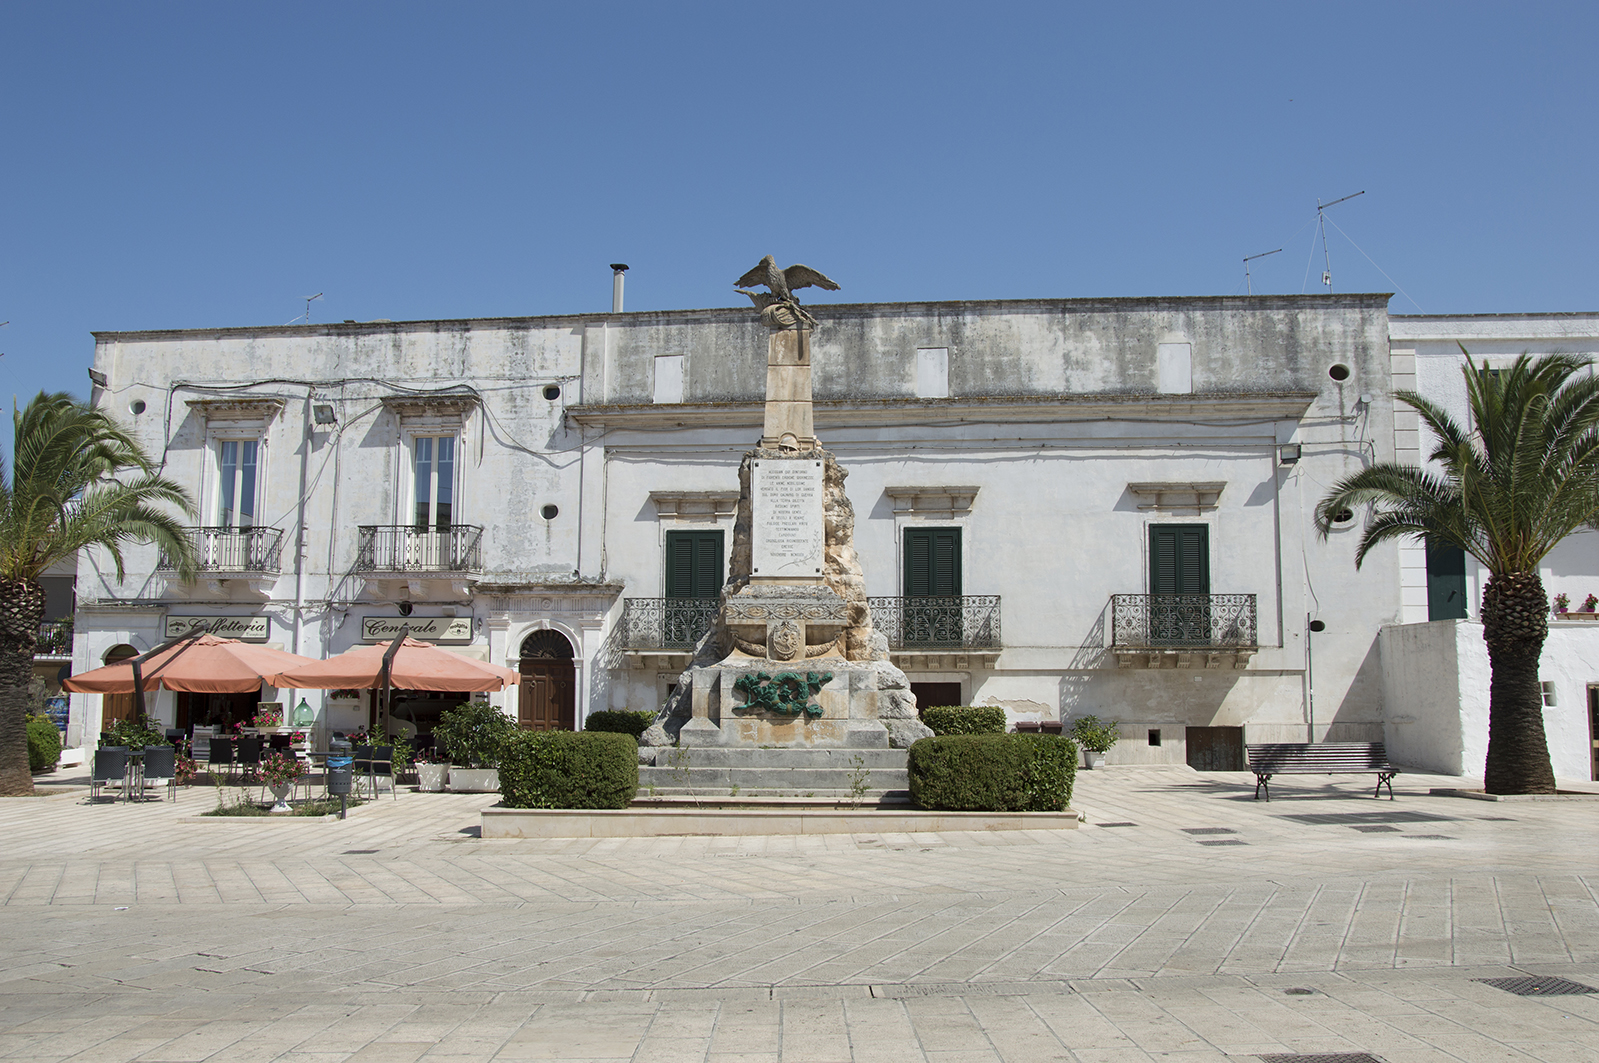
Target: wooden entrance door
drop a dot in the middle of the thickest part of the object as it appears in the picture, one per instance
(936, 695)
(1216, 748)
(547, 700)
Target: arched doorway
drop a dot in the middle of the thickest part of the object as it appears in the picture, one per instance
(547, 701)
(115, 708)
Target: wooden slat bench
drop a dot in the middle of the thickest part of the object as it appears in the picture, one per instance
(1320, 758)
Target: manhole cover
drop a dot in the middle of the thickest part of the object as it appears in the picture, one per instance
(1300, 991)
(1224, 841)
(1528, 986)
(1321, 1057)
(1375, 828)
(1433, 837)
(359, 852)
(1209, 830)
(1116, 824)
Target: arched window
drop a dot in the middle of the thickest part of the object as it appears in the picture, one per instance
(547, 644)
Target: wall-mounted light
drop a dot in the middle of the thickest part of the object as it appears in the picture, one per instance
(323, 414)
(405, 608)
(97, 378)
(1288, 454)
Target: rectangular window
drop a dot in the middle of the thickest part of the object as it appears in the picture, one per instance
(433, 463)
(237, 460)
(1179, 585)
(931, 612)
(1446, 582)
(693, 564)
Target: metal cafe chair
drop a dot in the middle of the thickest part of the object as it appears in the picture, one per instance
(110, 769)
(249, 756)
(160, 767)
(220, 755)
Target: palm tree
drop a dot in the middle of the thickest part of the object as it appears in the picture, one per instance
(64, 494)
(1521, 478)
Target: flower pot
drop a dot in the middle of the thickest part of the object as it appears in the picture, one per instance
(474, 780)
(280, 795)
(430, 777)
(1093, 759)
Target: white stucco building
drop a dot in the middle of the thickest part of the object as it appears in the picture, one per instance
(1062, 506)
(1435, 663)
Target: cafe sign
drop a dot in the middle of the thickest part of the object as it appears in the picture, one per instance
(245, 628)
(426, 628)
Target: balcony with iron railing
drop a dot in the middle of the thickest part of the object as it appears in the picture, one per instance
(652, 626)
(1183, 629)
(55, 639)
(939, 625)
(241, 550)
(404, 550)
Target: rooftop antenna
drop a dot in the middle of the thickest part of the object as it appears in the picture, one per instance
(1326, 273)
(307, 318)
(1247, 260)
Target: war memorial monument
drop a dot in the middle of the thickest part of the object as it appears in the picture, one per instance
(791, 660)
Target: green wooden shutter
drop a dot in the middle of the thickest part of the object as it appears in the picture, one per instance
(693, 564)
(1179, 559)
(932, 562)
(1446, 582)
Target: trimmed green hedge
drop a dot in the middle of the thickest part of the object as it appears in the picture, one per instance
(568, 769)
(993, 773)
(44, 744)
(965, 719)
(619, 721)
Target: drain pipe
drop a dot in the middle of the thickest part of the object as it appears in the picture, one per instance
(1311, 627)
(618, 270)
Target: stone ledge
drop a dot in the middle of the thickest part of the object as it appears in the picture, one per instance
(628, 823)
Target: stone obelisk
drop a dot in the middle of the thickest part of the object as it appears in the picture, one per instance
(792, 659)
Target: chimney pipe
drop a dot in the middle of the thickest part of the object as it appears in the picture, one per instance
(617, 271)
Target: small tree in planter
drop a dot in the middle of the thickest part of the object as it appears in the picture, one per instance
(278, 771)
(1095, 738)
(470, 737)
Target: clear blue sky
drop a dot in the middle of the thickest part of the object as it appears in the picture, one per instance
(203, 164)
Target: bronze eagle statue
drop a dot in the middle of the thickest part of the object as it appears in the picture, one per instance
(781, 284)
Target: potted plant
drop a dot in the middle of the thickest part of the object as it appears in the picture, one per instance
(1589, 603)
(470, 736)
(1095, 739)
(1562, 603)
(278, 771)
(431, 774)
(268, 716)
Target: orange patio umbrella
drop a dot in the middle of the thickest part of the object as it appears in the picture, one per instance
(204, 664)
(414, 665)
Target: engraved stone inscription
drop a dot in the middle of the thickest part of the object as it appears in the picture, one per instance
(788, 535)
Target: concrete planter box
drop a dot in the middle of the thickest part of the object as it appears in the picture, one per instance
(665, 823)
(430, 778)
(474, 780)
(1092, 759)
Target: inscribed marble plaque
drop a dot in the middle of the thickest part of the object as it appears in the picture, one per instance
(789, 536)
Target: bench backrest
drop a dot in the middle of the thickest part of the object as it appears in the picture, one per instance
(1317, 756)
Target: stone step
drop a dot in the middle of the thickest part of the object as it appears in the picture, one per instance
(790, 780)
(784, 757)
(820, 799)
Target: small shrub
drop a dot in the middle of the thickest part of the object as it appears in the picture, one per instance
(136, 734)
(993, 773)
(44, 744)
(568, 769)
(1094, 736)
(965, 719)
(619, 721)
(470, 735)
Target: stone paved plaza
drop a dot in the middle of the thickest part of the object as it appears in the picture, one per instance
(1183, 922)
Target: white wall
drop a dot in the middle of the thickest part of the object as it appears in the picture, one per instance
(1436, 679)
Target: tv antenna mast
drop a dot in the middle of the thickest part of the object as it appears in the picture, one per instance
(1321, 221)
(1249, 290)
(307, 316)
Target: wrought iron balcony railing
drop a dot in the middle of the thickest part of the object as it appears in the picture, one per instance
(233, 549)
(665, 623)
(968, 622)
(402, 548)
(55, 639)
(1183, 621)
